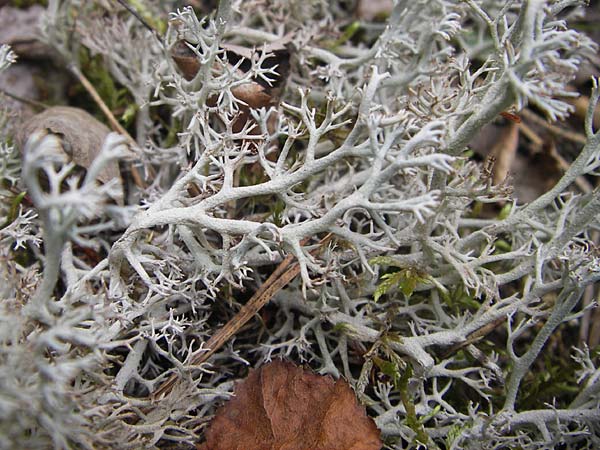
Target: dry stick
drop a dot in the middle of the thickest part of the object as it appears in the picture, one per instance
(475, 336)
(27, 101)
(283, 275)
(143, 21)
(238, 321)
(575, 137)
(582, 183)
(536, 141)
(505, 151)
(114, 123)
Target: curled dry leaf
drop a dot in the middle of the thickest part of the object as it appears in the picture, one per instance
(284, 407)
(81, 136)
(186, 60)
(257, 93)
(19, 29)
(279, 60)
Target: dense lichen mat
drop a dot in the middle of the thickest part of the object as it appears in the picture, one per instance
(399, 196)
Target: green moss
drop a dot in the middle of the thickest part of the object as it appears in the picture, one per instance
(13, 210)
(401, 380)
(142, 9)
(459, 299)
(27, 3)
(116, 97)
(277, 214)
(553, 381)
(406, 279)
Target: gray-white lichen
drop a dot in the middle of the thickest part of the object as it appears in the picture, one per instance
(365, 146)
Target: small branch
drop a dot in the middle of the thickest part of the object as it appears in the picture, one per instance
(532, 117)
(143, 21)
(114, 123)
(280, 278)
(27, 101)
(475, 336)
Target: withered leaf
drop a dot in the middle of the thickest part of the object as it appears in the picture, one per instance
(81, 134)
(186, 59)
(279, 60)
(284, 407)
(19, 28)
(257, 93)
(81, 137)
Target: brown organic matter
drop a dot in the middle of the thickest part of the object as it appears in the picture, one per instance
(281, 406)
(19, 28)
(81, 137)
(186, 59)
(505, 151)
(255, 94)
(81, 134)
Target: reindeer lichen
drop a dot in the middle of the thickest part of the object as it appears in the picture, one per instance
(366, 142)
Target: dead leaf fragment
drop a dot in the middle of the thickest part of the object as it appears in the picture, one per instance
(257, 93)
(81, 137)
(185, 59)
(284, 407)
(19, 29)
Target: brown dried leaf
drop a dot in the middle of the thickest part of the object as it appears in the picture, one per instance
(253, 94)
(19, 29)
(257, 93)
(81, 136)
(279, 60)
(186, 59)
(284, 407)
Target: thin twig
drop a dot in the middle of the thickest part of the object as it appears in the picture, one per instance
(114, 123)
(24, 100)
(575, 137)
(143, 21)
(475, 336)
(582, 183)
(283, 274)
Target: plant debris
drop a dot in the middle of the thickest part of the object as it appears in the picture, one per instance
(82, 148)
(282, 406)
